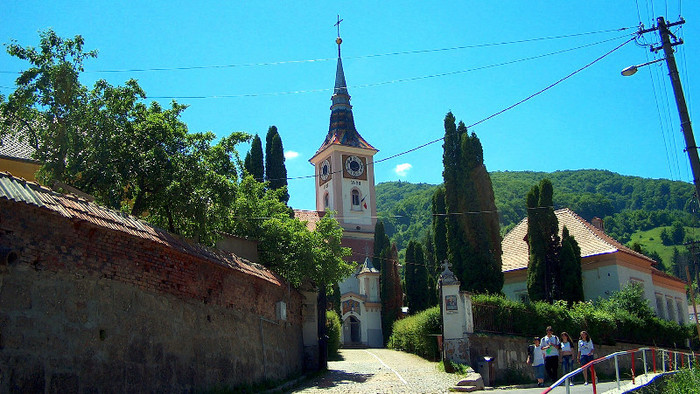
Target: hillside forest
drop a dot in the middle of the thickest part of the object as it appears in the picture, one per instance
(639, 212)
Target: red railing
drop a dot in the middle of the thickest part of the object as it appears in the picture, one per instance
(665, 355)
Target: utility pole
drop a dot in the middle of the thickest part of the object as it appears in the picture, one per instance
(686, 127)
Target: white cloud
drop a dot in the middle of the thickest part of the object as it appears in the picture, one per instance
(290, 154)
(402, 169)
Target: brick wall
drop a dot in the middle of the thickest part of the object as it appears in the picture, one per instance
(89, 308)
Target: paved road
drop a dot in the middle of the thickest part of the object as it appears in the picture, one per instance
(389, 371)
(380, 371)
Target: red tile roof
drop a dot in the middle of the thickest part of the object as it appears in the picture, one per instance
(591, 240)
(310, 217)
(75, 208)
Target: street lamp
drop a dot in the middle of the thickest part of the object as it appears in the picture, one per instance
(631, 70)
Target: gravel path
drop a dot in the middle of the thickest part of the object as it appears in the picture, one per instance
(380, 371)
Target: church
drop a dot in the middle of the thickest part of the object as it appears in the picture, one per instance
(344, 184)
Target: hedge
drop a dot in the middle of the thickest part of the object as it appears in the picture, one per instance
(416, 334)
(495, 313)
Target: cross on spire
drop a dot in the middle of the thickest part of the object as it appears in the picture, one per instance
(446, 265)
(337, 24)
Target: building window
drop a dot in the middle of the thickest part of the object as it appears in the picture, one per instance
(326, 201)
(355, 199)
(679, 308)
(660, 312)
(670, 309)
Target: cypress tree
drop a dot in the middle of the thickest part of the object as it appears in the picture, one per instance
(391, 293)
(409, 276)
(572, 283)
(275, 170)
(421, 293)
(254, 160)
(432, 265)
(544, 268)
(439, 225)
(381, 242)
(473, 230)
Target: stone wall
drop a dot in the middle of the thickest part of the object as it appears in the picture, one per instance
(510, 354)
(88, 308)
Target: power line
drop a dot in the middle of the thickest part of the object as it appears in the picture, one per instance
(402, 80)
(486, 118)
(408, 52)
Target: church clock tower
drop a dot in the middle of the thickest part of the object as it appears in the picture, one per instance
(345, 172)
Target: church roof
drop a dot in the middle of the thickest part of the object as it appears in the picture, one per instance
(592, 241)
(341, 130)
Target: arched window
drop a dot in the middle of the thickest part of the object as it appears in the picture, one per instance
(326, 201)
(355, 199)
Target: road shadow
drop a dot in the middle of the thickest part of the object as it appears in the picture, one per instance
(334, 378)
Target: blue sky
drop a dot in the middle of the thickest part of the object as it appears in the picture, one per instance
(595, 119)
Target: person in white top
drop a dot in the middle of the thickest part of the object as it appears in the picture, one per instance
(535, 357)
(551, 345)
(585, 352)
(567, 354)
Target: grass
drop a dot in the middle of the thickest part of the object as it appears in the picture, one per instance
(651, 241)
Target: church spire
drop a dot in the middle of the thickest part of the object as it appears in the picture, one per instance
(340, 90)
(341, 130)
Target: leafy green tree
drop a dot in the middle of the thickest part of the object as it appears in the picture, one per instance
(677, 233)
(572, 282)
(473, 233)
(275, 170)
(544, 269)
(254, 160)
(49, 100)
(630, 299)
(666, 237)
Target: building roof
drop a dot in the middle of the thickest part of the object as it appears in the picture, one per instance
(367, 267)
(310, 217)
(341, 130)
(14, 148)
(78, 209)
(590, 239)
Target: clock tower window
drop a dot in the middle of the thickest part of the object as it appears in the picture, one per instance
(326, 201)
(355, 199)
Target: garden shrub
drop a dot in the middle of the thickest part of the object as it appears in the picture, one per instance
(333, 331)
(625, 316)
(416, 334)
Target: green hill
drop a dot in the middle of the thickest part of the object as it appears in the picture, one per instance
(628, 204)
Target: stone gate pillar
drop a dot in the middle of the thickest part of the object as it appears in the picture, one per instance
(456, 318)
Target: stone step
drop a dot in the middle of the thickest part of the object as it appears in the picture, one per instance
(472, 379)
(464, 389)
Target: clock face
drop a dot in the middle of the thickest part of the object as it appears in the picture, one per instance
(354, 166)
(325, 171)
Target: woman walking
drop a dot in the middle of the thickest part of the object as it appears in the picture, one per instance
(585, 352)
(567, 354)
